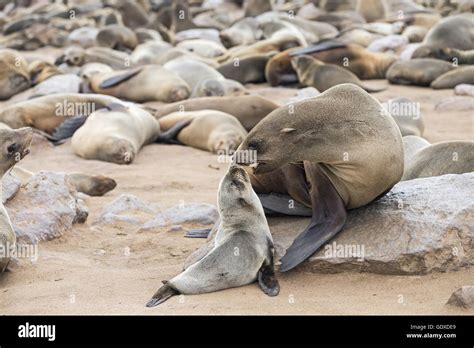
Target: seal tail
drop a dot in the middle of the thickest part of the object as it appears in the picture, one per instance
(171, 135)
(162, 295)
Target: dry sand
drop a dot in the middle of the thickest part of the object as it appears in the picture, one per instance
(88, 271)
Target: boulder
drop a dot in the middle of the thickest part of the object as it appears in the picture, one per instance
(463, 297)
(420, 226)
(45, 208)
(10, 186)
(455, 103)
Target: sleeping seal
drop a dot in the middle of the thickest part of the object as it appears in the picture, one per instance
(14, 74)
(337, 151)
(241, 251)
(420, 71)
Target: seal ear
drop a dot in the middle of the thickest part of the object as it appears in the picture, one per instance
(287, 130)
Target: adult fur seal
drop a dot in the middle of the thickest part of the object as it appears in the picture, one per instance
(243, 227)
(117, 37)
(411, 145)
(451, 79)
(420, 71)
(337, 151)
(314, 73)
(448, 157)
(246, 70)
(115, 134)
(14, 74)
(249, 109)
(142, 84)
(452, 55)
(77, 56)
(209, 130)
(14, 145)
(47, 113)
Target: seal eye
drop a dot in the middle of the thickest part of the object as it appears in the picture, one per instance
(12, 148)
(254, 144)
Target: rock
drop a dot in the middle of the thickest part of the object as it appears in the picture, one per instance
(407, 52)
(463, 297)
(126, 209)
(420, 226)
(10, 186)
(65, 83)
(190, 213)
(464, 89)
(459, 103)
(45, 208)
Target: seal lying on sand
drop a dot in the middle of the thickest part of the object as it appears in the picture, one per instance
(447, 157)
(14, 74)
(208, 130)
(337, 151)
(14, 145)
(242, 228)
(249, 109)
(420, 71)
(314, 73)
(461, 75)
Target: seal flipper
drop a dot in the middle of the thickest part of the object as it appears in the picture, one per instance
(171, 135)
(267, 279)
(118, 79)
(277, 203)
(198, 233)
(67, 128)
(329, 216)
(163, 294)
(320, 47)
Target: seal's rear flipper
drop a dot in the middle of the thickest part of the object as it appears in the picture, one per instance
(67, 128)
(283, 204)
(163, 294)
(118, 79)
(320, 47)
(171, 135)
(202, 233)
(267, 279)
(329, 216)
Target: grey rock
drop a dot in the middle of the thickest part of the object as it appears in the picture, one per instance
(10, 186)
(463, 297)
(464, 89)
(126, 209)
(45, 208)
(191, 213)
(420, 226)
(64, 83)
(455, 103)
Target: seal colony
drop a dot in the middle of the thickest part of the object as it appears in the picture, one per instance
(184, 72)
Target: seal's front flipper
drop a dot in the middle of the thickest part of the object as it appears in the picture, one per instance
(118, 79)
(320, 47)
(267, 279)
(163, 294)
(67, 128)
(329, 216)
(171, 135)
(283, 204)
(198, 233)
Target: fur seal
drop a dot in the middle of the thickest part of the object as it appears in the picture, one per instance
(77, 56)
(47, 113)
(411, 145)
(14, 145)
(248, 109)
(117, 37)
(452, 55)
(115, 134)
(203, 48)
(92, 185)
(314, 73)
(243, 227)
(448, 157)
(145, 83)
(451, 79)
(146, 53)
(246, 70)
(407, 115)
(209, 130)
(40, 70)
(453, 32)
(244, 32)
(420, 71)
(357, 59)
(14, 74)
(337, 151)
(203, 79)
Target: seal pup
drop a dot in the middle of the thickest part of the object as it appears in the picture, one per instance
(248, 109)
(452, 55)
(115, 134)
(337, 151)
(420, 71)
(447, 157)
(14, 74)
(145, 83)
(203, 80)
(40, 70)
(203, 48)
(314, 73)
(411, 145)
(208, 130)
(451, 79)
(242, 33)
(117, 37)
(246, 70)
(242, 227)
(77, 56)
(14, 145)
